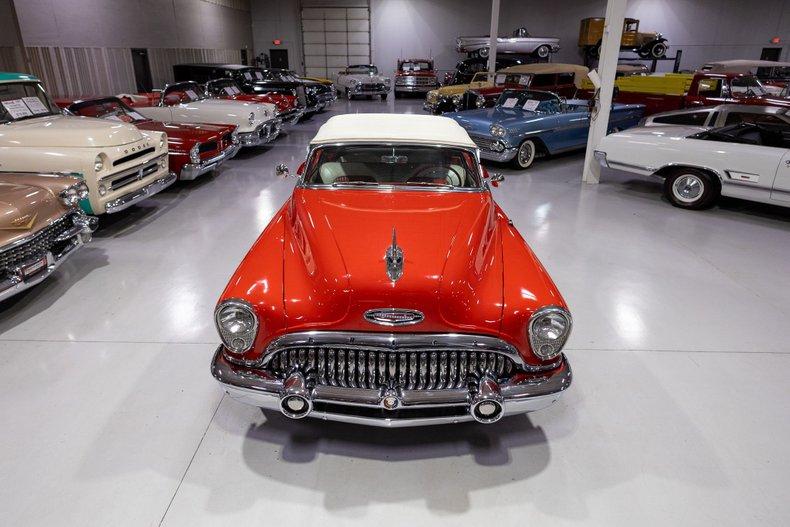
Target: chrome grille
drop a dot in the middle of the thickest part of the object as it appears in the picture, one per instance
(483, 143)
(38, 245)
(130, 176)
(414, 370)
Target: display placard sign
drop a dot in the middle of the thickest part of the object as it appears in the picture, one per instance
(229, 90)
(17, 108)
(531, 105)
(259, 75)
(523, 80)
(35, 105)
(510, 102)
(192, 95)
(500, 79)
(248, 76)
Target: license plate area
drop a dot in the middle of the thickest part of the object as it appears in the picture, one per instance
(34, 267)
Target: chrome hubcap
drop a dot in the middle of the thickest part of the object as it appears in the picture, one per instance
(525, 154)
(688, 188)
(543, 52)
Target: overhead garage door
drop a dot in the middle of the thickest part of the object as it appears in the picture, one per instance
(333, 38)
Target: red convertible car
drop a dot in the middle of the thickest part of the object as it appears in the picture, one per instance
(193, 149)
(289, 109)
(391, 290)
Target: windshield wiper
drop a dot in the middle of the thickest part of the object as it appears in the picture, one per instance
(359, 183)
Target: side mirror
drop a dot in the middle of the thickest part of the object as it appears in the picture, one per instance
(281, 170)
(496, 178)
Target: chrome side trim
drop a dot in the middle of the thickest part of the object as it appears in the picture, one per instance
(260, 388)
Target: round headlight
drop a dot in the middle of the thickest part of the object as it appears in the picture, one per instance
(480, 102)
(194, 153)
(98, 163)
(432, 97)
(162, 142)
(497, 131)
(237, 324)
(251, 118)
(456, 99)
(72, 195)
(102, 189)
(548, 330)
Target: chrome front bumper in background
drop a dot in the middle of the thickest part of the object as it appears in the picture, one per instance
(291, 117)
(295, 397)
(127, 200)
(415, 88)
(17, 280)
(264, 133)
(507, 154)
(191, 171)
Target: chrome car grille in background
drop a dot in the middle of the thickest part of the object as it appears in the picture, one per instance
(38, 245)
(483, 143)
(412, 80)
(416, 370)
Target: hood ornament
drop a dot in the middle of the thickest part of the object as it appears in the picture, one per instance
(394, 259)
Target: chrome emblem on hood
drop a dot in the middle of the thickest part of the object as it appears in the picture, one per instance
(394, 259)
(394, 316)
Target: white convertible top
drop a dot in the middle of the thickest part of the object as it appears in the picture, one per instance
(392, 127)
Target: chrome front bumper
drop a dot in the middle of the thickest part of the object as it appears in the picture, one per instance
(414, 88)
(264, 133)
(358, 90)
(191, 171)
(507, 154)
(260, 388)
(127, 200)
(79, 234)
(291, 117)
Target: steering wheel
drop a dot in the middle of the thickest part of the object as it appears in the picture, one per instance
(434, 172)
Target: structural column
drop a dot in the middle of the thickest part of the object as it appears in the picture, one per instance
(607, 68)
(493, 36)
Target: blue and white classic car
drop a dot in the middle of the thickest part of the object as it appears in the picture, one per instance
(526, 124)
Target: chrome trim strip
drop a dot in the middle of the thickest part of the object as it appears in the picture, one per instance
(191, 171)
(264, 390)
(127, 200)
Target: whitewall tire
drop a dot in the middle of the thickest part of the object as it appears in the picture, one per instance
(525, 155)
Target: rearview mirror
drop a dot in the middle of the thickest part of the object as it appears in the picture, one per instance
(281, 170)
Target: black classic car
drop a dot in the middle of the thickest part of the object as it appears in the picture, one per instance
(466, 69)
(312, 95)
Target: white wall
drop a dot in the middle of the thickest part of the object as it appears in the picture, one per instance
(704, 29)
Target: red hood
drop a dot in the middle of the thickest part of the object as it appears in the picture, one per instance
(283, 102)
(335, 270)
(182, 136)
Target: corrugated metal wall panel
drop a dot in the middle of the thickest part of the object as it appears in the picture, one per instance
(8, 59)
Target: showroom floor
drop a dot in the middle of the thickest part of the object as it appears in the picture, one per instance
(679, 413)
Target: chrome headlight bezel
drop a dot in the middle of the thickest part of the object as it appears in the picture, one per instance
(236, 341)
(480, 102)
(71, 196)
(194, 153)
(251, 118)
(98, 163)
(456, 100)
(544, 347)
(497, 130)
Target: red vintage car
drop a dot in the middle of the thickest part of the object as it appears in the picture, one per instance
(193, 149)
(390, 289)
(289, 109)
(415, 76)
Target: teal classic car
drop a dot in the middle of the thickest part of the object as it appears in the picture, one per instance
(526, 124)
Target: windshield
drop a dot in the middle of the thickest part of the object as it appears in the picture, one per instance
(183, 92)
(363, 70)
(747, 86)
(24, 100)
(534, 101)
(223, 87)
(400, 165)
(416, 65)
(112, 109)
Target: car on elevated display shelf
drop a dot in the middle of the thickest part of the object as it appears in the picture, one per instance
(288, 109)
(184, 102)
(120, 164)
(721, 115)
(390, 289)
(41, 225)
(746, 160)
(415, 76)
(193, 149)
(363, 79)
(646, 44)
(520, 42)
(485, 88)
(526, 124)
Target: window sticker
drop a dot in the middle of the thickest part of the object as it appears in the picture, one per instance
(500, 79)
(192, 95)
(17, 108)
(136, 116)
(259, 75)
(35, 105)
(236, 91)
(531, 105)
(228, 90)
(510, 102)
(248, 76)
(522, 80)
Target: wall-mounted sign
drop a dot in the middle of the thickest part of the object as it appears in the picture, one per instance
(277, 41)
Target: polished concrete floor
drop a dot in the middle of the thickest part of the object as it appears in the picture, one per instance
(679, 413)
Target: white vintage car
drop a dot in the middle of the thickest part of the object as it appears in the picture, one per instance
(721, 115)
(186, 102)
(520, 42)
(120, 164)
(748, 160)
(363, 79)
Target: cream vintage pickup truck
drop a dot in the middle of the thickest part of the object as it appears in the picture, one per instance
(120, 164)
